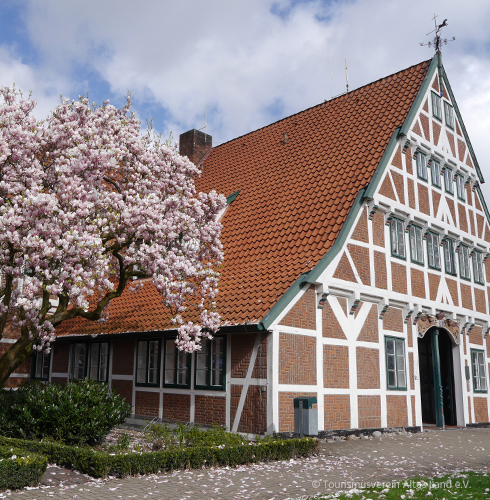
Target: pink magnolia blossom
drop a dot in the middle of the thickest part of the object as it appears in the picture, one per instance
(86, 203)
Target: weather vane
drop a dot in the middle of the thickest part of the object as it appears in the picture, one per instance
(438, 41)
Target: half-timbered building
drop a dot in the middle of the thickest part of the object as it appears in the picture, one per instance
(356, 240)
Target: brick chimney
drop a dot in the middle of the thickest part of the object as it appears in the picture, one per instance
(195, 144)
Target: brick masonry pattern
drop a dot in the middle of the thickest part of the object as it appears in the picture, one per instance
(297, 359)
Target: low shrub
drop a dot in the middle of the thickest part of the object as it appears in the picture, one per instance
(100, 463)
(77, 413)
(19, 469)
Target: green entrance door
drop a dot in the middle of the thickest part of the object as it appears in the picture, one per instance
(437, 378)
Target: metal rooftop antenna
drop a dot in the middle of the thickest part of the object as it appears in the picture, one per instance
(437, 41)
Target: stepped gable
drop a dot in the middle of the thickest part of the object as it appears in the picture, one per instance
(298, 179)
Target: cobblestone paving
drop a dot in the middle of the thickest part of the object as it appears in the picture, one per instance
(338, 466)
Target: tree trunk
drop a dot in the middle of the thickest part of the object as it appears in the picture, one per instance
(14, 356)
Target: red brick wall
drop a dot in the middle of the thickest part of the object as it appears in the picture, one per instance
(369, 411)
(61, 354)
(361, 231)
(480, 300)
(380, 276)
(123, 357)
(424, 199)
(337, 412)
(396, 407)
(147, 403)
(418, 285)
(437, 131)
(436, 198)
(241, 351)
(481, 410)
(398, 181)
(425, 126)
(254, 415)
(453, 290)
(210, 410)
(176, 407)
(330, 326)
(393, 320)
(344, 270)
(260, 368)
(409, 162)
(411, 190)
(369, 331)
(303, 313)
(476, 336)
(360, 257)
(386, 188)
(124, 388)
(367, 368)
(397, 158)
(463, 224)
(434, 281)
(379, 229)
(399, 277)
(286, 409)
(466, 299)
(297, 359)
(336, 366)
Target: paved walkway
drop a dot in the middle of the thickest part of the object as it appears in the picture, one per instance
(339, 466)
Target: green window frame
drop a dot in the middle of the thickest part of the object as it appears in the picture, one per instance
(464, 262)
(436, 106)
(397, 231)
(421, 161)
(210, 363)
(448, 180)
(177, 365)
(89, 360)
(478, 363)
(478, 274)
(416, 246)
(435, 171)
(449, 115)
(460, 187)
(433, 252)
(449, 257)
(396, 371)
(148, 363)
(40, 364)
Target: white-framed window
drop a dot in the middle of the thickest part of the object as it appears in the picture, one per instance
(449, 114)
(460, 188)
(433, 253)
(210, 364)
(421, 161)
(449, 260)
(479, 372)
(435, 169)
(478, 275)
(448, 180)
(395, 363)
(177, 365)
(148, 363)
(436, 106)
(464, 262)
(397, 238)
(416, 247)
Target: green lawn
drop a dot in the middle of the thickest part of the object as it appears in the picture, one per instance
(474, 485)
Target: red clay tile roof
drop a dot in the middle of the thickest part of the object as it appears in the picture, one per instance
(295, 194)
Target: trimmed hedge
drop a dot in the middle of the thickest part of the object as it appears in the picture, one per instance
(101, 464)
(18, 469)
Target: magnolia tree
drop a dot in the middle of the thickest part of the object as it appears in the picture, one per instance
(86, 204)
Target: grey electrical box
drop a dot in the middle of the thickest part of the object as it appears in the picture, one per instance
(305, 416)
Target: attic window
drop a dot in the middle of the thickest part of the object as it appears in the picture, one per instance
(449, 115)
(421, 160)
(436, 106)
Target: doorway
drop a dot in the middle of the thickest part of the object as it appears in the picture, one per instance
(436, 367)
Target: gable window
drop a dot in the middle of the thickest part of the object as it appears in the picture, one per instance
(449, 114)
(464, 262)
(148, 363)
(449, 260)
(40, 365)
(395, 363)
(478, 368)
(436, 106)
(421, 161)
(397, 238)
(416, 251)
(435, 170)
(460, 186)
(89, 361)
(433, 254)
(478, 267)
(177, 365)
(210, 364)
(448, 180)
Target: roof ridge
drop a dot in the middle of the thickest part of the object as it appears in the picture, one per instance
(316, 106)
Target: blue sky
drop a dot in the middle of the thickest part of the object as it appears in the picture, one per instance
(239, 65)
